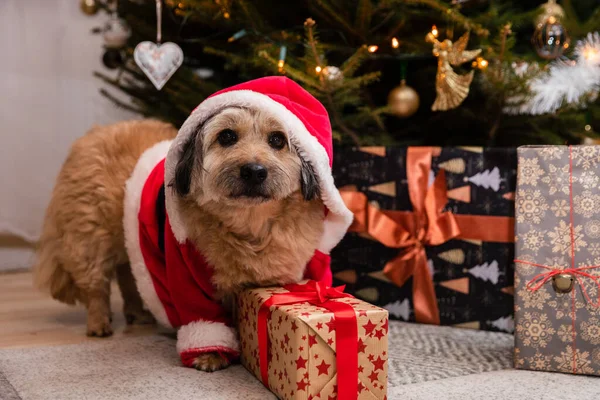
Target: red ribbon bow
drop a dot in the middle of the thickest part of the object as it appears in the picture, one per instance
(346, 330)
(540, 280)
(427, 225)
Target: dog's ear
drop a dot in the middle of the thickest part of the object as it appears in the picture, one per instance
(309, 183)
(185, 166)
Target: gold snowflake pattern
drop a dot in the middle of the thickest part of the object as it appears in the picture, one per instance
(590, 330)
(596, 356)
(518, 360)
(565, 333)
(582, 361)
(552, 152)
(586, 204)
(529, 171)
(557, 262)
(586, 157)
(525, 269)
(588, 179)
(560, 208)
(539, 362)
(533, 240)
(592, 229)
(531, 206)
(557, 179)
(594, 249)
(560, 238)
(534, 300)
(563, 305)
(535, 330)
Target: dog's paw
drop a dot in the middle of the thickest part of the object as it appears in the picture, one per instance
(138, 317)
(99, 326)
(210, 362)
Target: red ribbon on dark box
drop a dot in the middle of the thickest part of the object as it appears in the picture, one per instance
(577, 272)
(427, 225)
(346, 333)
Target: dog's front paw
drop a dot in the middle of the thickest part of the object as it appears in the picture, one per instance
(210, 362)
(99, 326)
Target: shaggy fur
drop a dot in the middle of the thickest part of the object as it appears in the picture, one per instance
(259, 235)
(82, 245)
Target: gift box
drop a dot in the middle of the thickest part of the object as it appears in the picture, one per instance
(432, 239)
(309, 341)
(557, 281)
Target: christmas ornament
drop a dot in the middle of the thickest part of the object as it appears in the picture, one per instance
(550, 39)
(333, 74)
(113, 58)
(563, 283)
(403, 100)
(451, 87)
(116, 32)
(89, 7)
(547, 10)
(573, 82)
(158, 61)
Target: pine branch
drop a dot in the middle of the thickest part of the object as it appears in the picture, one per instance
(451, 14)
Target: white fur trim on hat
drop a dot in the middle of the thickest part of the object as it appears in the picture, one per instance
(339, 217)
(200, 334)
(133, 195)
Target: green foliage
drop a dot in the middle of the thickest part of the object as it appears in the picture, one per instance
(340, 36)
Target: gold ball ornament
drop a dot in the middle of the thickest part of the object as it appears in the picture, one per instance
(89, 7)
(403, 100)
(547, 10)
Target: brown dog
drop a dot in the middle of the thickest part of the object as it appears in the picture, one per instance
(238, 200)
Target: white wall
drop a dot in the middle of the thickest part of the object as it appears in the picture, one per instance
(48, 97)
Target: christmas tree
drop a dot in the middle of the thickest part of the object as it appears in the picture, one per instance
(477, 72)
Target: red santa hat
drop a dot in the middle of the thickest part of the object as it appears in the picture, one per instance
(307, 125)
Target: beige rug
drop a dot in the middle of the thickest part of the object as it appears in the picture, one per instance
(426, 362)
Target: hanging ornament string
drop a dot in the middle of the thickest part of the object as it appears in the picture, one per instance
(158, 22)
(158, 61)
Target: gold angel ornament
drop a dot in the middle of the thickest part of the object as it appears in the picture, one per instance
(451, 87)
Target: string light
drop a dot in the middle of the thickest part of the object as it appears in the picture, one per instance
(373, 48)
(588, 128)
(434, 31)
(318, 69)
(480, 63)
(281, 62)
(395, 43)
(237, 35)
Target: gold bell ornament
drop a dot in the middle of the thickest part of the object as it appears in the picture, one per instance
(563, 283)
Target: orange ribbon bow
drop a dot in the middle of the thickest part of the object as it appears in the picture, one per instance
(426, 225)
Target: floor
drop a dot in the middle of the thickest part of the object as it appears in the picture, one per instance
(29, 318)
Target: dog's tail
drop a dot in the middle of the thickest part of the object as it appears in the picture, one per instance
(48, 272)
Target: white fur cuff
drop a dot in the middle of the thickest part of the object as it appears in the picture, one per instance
(199, 334)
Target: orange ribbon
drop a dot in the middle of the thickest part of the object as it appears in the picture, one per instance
(426, 225)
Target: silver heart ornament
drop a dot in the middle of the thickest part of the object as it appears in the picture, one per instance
(159, 62)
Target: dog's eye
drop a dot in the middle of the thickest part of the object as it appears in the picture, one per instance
(227, 137)
(277, 140)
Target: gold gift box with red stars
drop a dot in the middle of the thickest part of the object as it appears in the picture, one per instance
(302, 347)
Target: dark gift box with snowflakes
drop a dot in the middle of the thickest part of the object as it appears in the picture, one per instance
(557, 304)
(432, 238)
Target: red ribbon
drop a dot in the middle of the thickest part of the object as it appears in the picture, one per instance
(346, 331)
(540, 280)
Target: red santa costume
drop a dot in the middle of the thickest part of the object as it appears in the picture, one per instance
(173, 278)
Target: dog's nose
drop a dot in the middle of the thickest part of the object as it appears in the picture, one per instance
(253, 173)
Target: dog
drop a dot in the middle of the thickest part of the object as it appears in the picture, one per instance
(242, 196)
